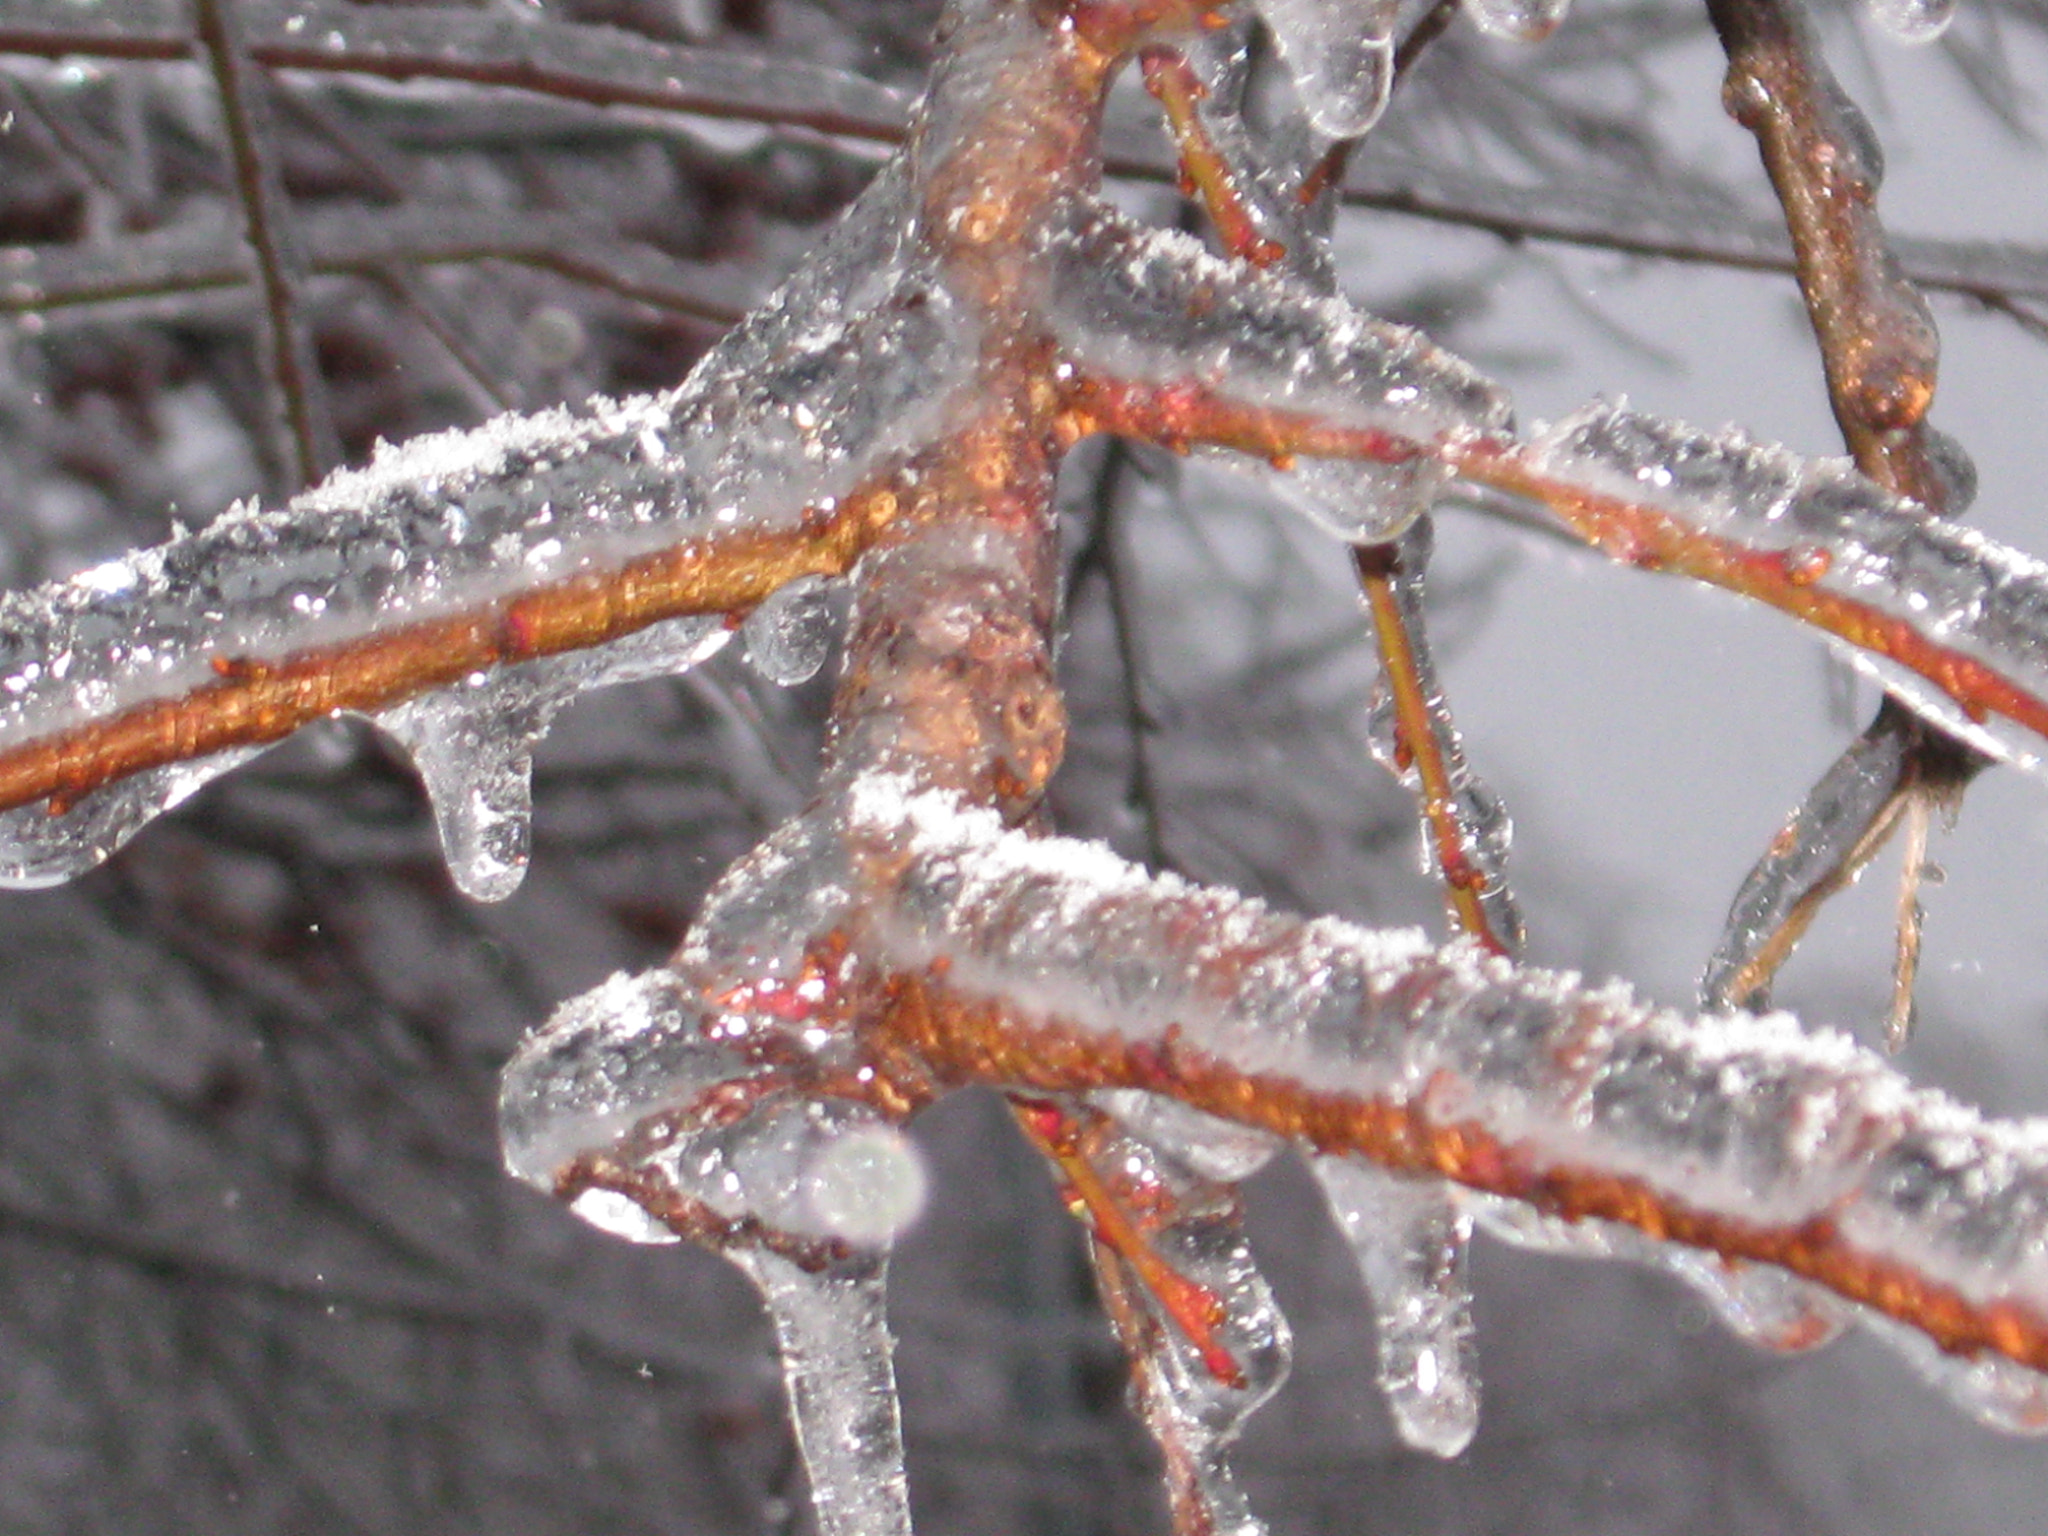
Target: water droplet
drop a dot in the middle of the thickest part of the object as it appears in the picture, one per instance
(1518, 21)
(1340, 54)
(789, 636)
(1912, 21)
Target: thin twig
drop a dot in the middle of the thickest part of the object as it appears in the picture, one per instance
(1879, 348)
(252, 140)
(1099, 555)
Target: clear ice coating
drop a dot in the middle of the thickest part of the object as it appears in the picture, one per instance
(1519, 21)
(1195, 1404)
(789, 636)
(853, 360)
(1265, 139)
(44, 844)
(1340, 54)
(1839, 534)
(1412, 1241)
(1749, 1118)
(1819, 843)
(1912, 21)
(1760, 1304)
(1484, 830)
(629, 1048)
(1149, 305)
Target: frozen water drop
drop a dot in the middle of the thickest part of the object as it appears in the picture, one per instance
(867, 1185)
(790, 634)
(1221, 1150)
(1360, 501)
(1954, 470)
(1759, 1303)
(477, 767)
(1340, 54)
(1523, 1226)
(1412, 1242)
(1519, 21)
(1912, 21)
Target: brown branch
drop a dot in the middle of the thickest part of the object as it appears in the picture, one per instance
(1640, 536)
(966, 1039)
(1050, 966)
(1421, 746)
(254, 703)
(1879, 350)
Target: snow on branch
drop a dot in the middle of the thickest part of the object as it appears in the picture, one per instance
(1050, 964)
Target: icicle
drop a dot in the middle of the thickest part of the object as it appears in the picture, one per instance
(788, 636)
(473, 744)
(473, 750)
(1412, 1243)
(41, 845)
(1341, 56)
(833, 1331)
(803, 1195)
(1912, 21)
(1519, 21)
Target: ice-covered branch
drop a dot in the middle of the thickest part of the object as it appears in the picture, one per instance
(1050, 964)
